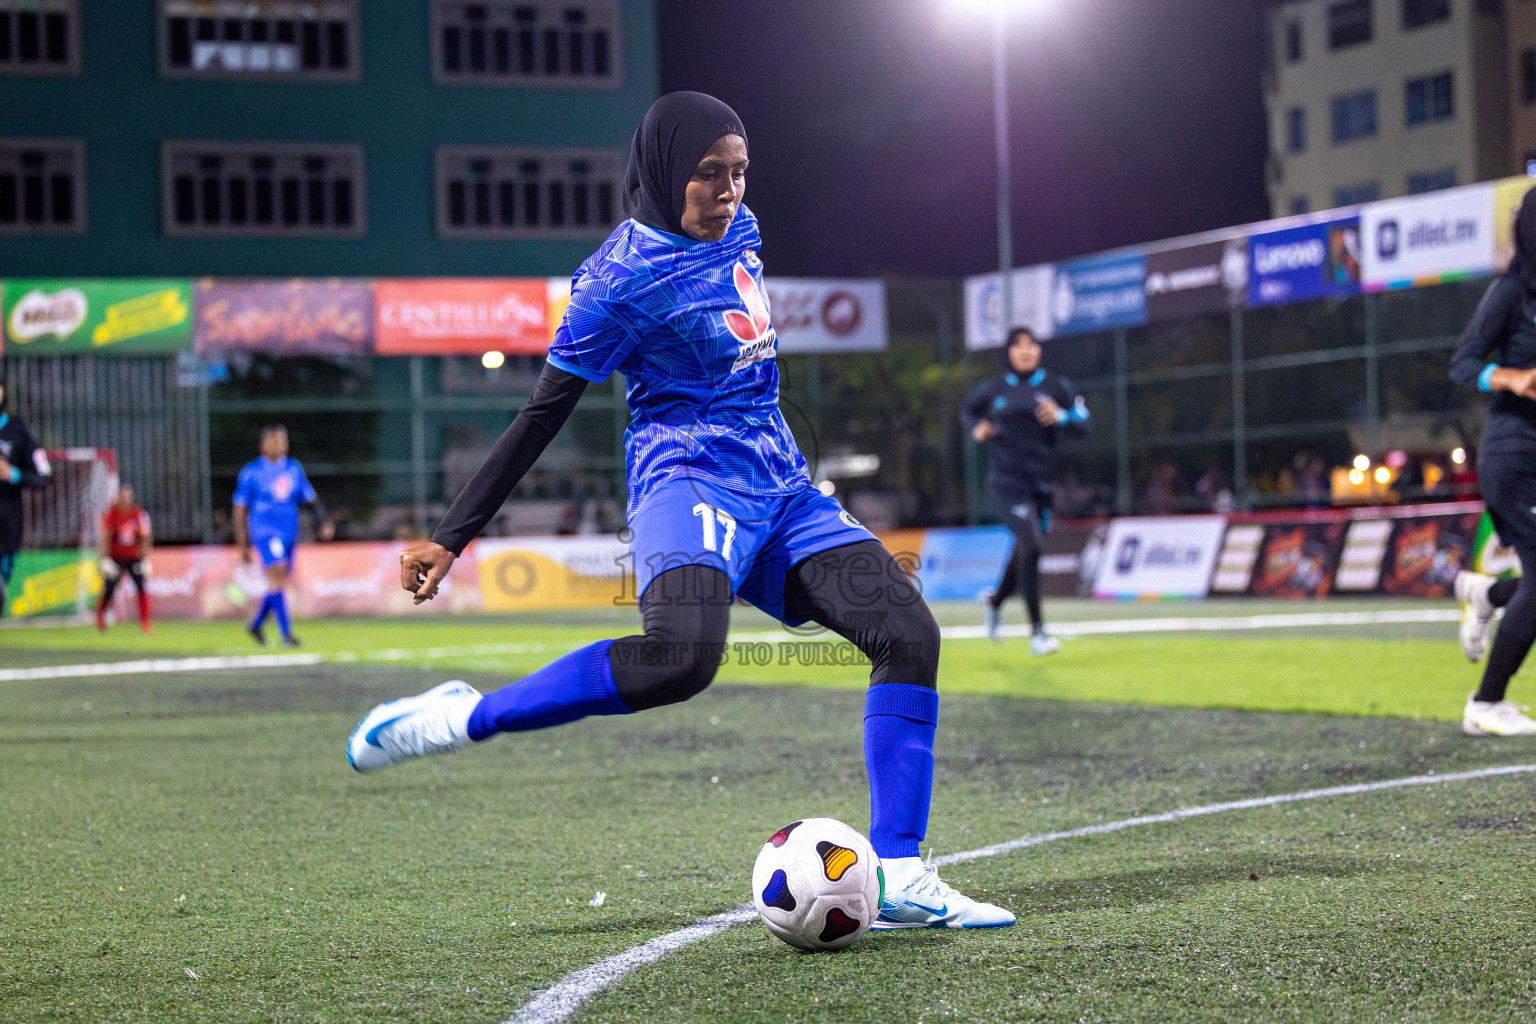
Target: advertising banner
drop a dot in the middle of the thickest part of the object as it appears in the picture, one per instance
(50, 583)
(1069, 560)
(461, 316)
(309, 316)
(1207, 278)
(549, 573)
(1099, 293)
(557, 295)
(1428, 239)
(1159, 557)
(1031, 297)
(1427, 552)
(1313, 261)
(819, 315)
(116, 316)
(1297, 559)
(1508, 194)
(960, 563)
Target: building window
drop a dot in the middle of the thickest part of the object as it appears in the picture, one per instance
(1354, 195)
(260, 40)
(1429, 99)
(1349, 24)
(39, 37)
(1528, 76)
(1293, 51)
(501, 193)
(42, 187)
(1296, 129)
(1432, 181)
(1418, 13)
(263, 189)
(558, 43)
(1354, 116)
(1299, 204)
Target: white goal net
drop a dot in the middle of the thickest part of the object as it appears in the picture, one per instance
(66, 514)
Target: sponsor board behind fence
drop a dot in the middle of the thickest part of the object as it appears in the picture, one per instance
(1031, 297)
(1192, 280)
(303, 316)
(813, 315)
(113, 316)
(1099, 293)
(461, 316)
(1159, 557)
(1310, 261)
(1428, 239)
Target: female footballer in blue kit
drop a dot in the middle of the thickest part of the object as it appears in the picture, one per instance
(720, 504)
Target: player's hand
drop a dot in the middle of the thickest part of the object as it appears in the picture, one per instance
(984, 431)
(1048, 413)
(1518, 382)
(422, 569)
(5, 469)
(327, 531)
(245, 553)
(146, 569)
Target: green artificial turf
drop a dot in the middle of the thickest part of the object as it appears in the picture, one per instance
(157, 827)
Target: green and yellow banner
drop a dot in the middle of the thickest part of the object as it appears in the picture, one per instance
(117, 316)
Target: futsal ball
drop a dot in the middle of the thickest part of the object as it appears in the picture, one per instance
(817, 884)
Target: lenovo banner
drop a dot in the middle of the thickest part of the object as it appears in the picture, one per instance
(461, 316)
(113, 316)
(816, 315)
(1427, 239)
(1313, 261)
(1031, 297)
(1208, 278)
(1158, 557)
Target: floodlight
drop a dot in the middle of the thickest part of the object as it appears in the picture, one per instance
(1356, 477)
(1459, 456)
(492, 360)
(1383, 474)
(1004, 7)
(1362, 462)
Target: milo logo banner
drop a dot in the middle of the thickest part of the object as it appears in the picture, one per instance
(116, 316)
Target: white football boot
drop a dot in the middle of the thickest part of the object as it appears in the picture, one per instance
(1496, 718)
(924, 901)
(1042, 643)
(1471, 589)
(435, 722)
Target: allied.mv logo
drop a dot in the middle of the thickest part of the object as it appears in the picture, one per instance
(753, 328)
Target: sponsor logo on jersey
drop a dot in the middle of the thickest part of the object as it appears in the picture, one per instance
(752, 328)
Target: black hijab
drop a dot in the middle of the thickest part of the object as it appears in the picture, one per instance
(676, 133)
(1523, 265)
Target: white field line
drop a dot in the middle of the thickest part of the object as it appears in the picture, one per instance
(563, 998)
(1181, 624)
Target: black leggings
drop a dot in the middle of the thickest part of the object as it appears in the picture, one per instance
(1516, 632)
(109, 585)
(1022, 570)
(858, 591)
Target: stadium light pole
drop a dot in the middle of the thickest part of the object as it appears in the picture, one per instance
(1000, 10)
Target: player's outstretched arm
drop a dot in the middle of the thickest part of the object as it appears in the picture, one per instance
(423, 567)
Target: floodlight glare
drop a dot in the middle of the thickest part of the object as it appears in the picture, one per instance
(1004, 7)
(1356, 477)
(492, 360)
(1383, 474)
(1362, 462)
(1459, 456)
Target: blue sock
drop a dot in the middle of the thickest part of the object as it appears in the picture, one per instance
(280, 609)
(899, 723)
(261, 612)
(572, 687)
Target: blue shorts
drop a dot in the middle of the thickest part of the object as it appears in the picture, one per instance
(755, 540)
(274, 549)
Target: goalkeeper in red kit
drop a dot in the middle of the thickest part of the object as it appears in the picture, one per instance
(126, 544)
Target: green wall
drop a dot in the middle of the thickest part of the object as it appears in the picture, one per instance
(123, 110)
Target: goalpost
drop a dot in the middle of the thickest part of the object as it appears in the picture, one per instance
(67, 514)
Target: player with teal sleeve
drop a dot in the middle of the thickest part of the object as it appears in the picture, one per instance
(721, 505)
(268, 495)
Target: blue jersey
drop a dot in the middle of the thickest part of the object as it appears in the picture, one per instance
(687, 324)
(273, 491)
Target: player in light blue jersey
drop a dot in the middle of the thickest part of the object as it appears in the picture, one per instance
(720, 504)
(268, 495)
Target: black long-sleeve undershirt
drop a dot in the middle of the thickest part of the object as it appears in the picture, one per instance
(515, 452)
(1502, 332)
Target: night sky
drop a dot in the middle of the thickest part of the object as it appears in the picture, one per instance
(870, 125)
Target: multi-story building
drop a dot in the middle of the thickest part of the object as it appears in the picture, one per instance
(1369, 99)
(316, 137)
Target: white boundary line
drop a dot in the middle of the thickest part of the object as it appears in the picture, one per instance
(565, 996)
(1181, 624)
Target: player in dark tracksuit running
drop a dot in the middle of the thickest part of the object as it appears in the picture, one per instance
(1020, 413)
(22, 465)
(1497, 354)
